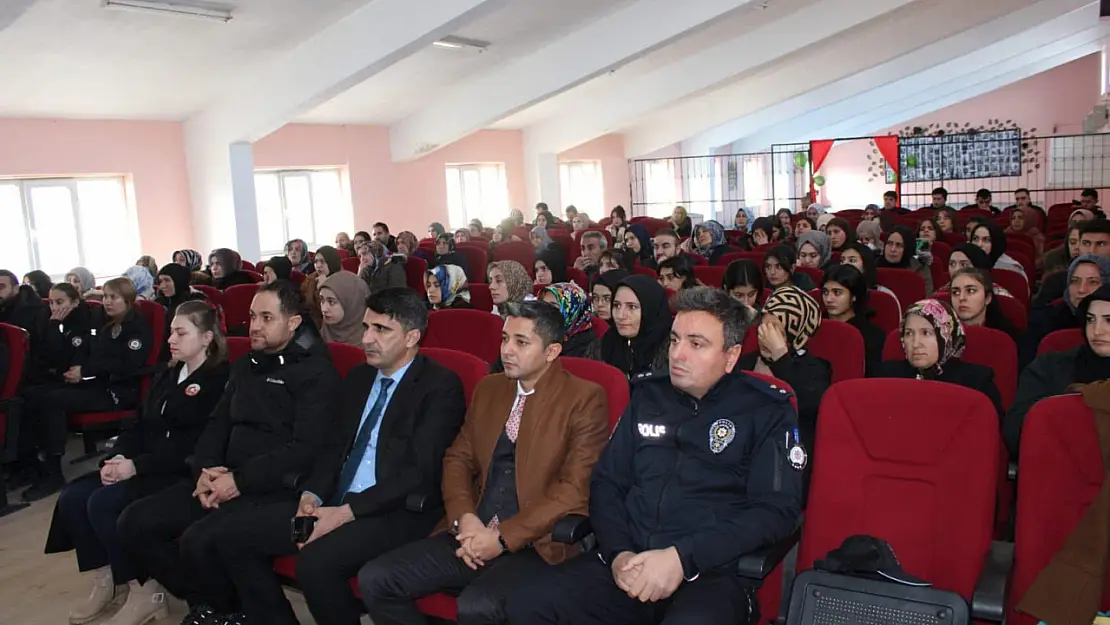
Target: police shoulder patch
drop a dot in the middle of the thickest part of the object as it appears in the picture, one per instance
(134, 345)
(76, 341)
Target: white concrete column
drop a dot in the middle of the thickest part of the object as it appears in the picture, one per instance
(221, 180)
(1104, 67)
(541, 181)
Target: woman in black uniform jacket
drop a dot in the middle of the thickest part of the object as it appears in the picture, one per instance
(933, 339)
(100, 381)
(71, 319)
(149, 457)
(172, 283)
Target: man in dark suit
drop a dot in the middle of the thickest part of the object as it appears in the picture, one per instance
(521, 462)
(398, 414)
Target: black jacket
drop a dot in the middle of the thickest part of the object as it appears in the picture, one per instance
(391, 274)
(275, 417)
(873, 340)
(114, 358)
(809, 376)
(422, 420)
(235, 278)
(660, 482)
(966, 374)
(66, 342)
(172, 419)
(1048, 375)
(1042, 322)
(27, 310)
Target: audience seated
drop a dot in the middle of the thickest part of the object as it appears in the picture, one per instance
(862, 258)
(381, 234)
(65, 342)
(574, 305)
(1023, 220)
(509, 283)
(446, 254)
(966, 256)
(142, 281)
(680, 222)
(500, 511)
(378, 271)
(666, 244)
(446, 287)
(226, 267)
(550, 267)
(189, 259)
(1092, 237)
(592, 244)
(845, 294)
(22, 307)
(147, 458)
(602, 288)
(342, 307)
(1086, 274)
(709, 241)
(676, 273)
(743, 281)
(804, 225)
(296, 251)
(990, 238)
(778, 269)
(83, 280)
(841, 232)
(638, 247)
(870, 233)
(610, 260)
(636, 341)
(326, 263)
(900, 251)
(277, 268)
(39, 281)
(814, 250)
(933, 340)
(976, 304)
(763, 232)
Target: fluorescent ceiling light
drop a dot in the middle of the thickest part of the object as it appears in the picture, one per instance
(458, 43)
(172, 8)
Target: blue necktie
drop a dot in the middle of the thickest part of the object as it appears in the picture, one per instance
(362, 442)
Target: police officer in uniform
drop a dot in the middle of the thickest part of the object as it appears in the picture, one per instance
(704, 467)
(71, 322)
(102, 379)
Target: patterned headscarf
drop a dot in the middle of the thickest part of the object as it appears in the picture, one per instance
(800, 314)
(716, 231)
(452, 284)
(574, 306)
(144, 282)
(517, 280)
(947, 327)
(193, 261)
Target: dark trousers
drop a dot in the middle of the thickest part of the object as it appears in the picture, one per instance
(325, 566)
(48, 405)
(390, 584)
(582, 592)
(85, 519)
(177, 542)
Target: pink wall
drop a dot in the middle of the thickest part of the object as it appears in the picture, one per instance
(614, 168)
(1033, 103)
(151, 154)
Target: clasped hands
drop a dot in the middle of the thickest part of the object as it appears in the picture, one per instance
(649, 576)
(478, 544)
(116, 469)
(216, 485)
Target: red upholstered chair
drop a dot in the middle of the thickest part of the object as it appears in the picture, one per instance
(480, 298)
(237, 347)
(696, 260)
(472, 331)
(1061, 341)
(345, 357)
(468, 367)
(1013, 282)
(237, 306)
(349, 264)
(578, 277)
(645, 271)
(1061, 473)
(17, 343)
(247, 265)
(907, 285)
(296, 277)
(520, 251)
(888, 312)
(476, 261)
(814, 274)
(97, 426)
(710, 275)
(922, 478)
(415, 268)
(600, 327)
(836, 342)
(253, 275)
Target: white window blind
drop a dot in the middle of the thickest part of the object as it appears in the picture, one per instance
(581, 185)
(476, 191)
(300, 204)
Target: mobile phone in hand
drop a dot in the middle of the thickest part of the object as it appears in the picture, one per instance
(302, 527)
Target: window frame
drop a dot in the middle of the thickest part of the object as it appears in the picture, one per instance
(457, 207)
(287, 232)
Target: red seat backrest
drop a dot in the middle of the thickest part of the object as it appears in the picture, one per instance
(815, 274)
(345, 357)
(888, 312)
(17, 342)
(468, 367)
(1013, 282)
(600, 327)
(476, 261)
(237, 347)
(836, 342)
(247, 265)
(710, 275)
(343, 254)
(154, 314)
(907, 285)
(578, 277)
(253, 275)
(608, 377)
(1061, 473)
(415, 268)
(1061, 341)
(349, 264)
(645, 271)
(237, 305)
(985, 346)
(296, 277)
(922, 476)
(480, 298)
(520, 251)
(472, 331)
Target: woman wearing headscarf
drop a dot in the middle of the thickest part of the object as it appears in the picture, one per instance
(1058, 258)
(862, 257)
(227, 269)
(379, 271)
(1080, 215)
(150, 264)
(992, 240)
(550, 267)
(446, 287)
(933, 340)
(602, 288)
(814, 210)
(870, 234)
(710, 241)
(574, 305)
(845, 294)
(40, 281)
(277, 268)
(509, 282)
(407, 245)
(83, 280)
(680, 222)
(900, 252)
(841, 233)
(326, 263)
(342, 307)
(544, 219)
(966, 256)
(1024, 221)
(435, 229)
(763, 232)
(517, 217)
(1086, 274)
(814, 250)
(637, 247)
(446, 253)
(639, 331)
(824, 220)
(779, 265)
(173, 291)
(790, 318)
(742, 223)
(190, 259)
(1052, 373)
(143, 281)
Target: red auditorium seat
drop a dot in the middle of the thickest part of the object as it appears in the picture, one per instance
(296, 277)
(924, 481)
(1061, 471)
(520, 251)
(469, 367)
(814, 274)
(645, 271)
(600, 327)
(237, 347)
(1061, 341)
(343, 254)
(215, 297)
(1013, 282)
(415, 268)
(888, 312)
(907, 285)
(476, 261)
(345, 357)
(713, 276)
(697, 260)
(472, 331)
(96, 426)
(480, 298)
(836, 342)
(578, 277)
(237, 306)
(254, 275)
(350, 264)
(248, 266)
(651, 224)
(17, 343)
(1011, 309)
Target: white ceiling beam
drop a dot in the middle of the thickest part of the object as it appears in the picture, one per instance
(695, 73)
(586, 53)
(1001, 56)
(940, 31)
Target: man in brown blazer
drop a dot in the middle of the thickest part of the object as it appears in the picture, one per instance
(520, 463)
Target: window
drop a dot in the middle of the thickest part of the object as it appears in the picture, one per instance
(660, 187)
(61, 223)
(476, 191)
(301, 204)
(580, 184)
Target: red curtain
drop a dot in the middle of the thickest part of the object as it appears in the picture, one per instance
(819, 151)
(888, 147)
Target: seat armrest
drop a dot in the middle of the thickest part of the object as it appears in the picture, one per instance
(758, 564)
(418, 502)
(1011, 471)
(571, 529)
(988, 602)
